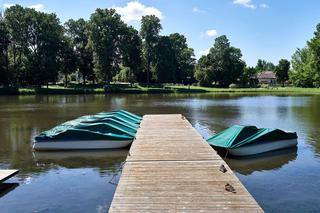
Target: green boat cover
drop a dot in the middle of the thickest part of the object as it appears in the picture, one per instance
(238, 135)
(72, 134)
(130, 114)
(120, 115)
(117, 117)
(107, 118)
(102, 126)
(122, 125)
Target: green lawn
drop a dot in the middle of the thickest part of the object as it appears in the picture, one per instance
(136, 89)
(249, 90)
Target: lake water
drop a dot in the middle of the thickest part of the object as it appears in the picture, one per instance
(285, 181)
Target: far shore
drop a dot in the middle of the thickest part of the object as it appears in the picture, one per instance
(137, 89)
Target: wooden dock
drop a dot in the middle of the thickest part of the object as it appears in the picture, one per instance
(171, 168)
(7, 173)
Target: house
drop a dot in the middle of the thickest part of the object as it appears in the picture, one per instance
(267, 77)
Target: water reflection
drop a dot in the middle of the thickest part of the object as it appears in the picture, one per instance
(82, 177)
(82, 159)
(5, 188)
(262, 162)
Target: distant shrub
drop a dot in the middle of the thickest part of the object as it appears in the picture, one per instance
(232, 86)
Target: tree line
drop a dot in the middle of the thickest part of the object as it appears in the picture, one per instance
(36, 49)
(306, 63)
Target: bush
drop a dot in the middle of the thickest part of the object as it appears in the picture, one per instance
(232, 86)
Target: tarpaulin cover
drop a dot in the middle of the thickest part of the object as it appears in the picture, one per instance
(117, 125)
(238, 135)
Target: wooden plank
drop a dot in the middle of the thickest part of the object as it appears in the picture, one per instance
(171, 168)
(7, 173)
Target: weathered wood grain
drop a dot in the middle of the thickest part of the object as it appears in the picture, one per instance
(171, 168)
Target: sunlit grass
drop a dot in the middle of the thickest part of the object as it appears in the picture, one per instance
(126, 88)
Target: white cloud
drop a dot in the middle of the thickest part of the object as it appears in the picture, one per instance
(37, 7)
(134, 11)
(245, 3)
(7, 5)
(264, 6)
(197, 10)
(211, 33)
(204, 52)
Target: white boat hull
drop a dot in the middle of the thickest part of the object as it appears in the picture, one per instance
(263, 147)
(80, 145)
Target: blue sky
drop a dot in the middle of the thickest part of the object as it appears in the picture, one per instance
(266, 29)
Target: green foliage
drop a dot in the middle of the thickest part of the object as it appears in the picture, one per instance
(131, 51)
(35, 48)
(249, 77)
(4, 44)
(314, 45)
(301, 73)
(204, 74)
(282, 71)
(164, 64)
(306, 63)
(77, 31)
(67, 59)
(16, 21)
(184, 61)
(105, 29)
(125, 75)
(222, 66)
(263, 65)
(149, 32)
(35, 42)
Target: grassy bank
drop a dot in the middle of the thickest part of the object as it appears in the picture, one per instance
(138, 89)
(270, 90)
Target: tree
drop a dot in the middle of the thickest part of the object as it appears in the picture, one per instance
(249, 77)
(15, 18)
(203, 71)
(282, 71)
(150, 28)
(163, 70)
(131, 52)
(183, 58)
(35, 40)
(44, 36)
(104, 36)
(314, 46)
(222, 66)
(263, 65)
(67, 59)
(77, 31)
(4, 44)
(301, 74)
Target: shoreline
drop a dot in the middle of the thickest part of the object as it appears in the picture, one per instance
(155, 90)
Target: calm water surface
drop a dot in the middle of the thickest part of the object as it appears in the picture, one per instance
(284, 181)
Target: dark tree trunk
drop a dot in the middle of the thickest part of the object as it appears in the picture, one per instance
(84, 79)
(65, 80)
